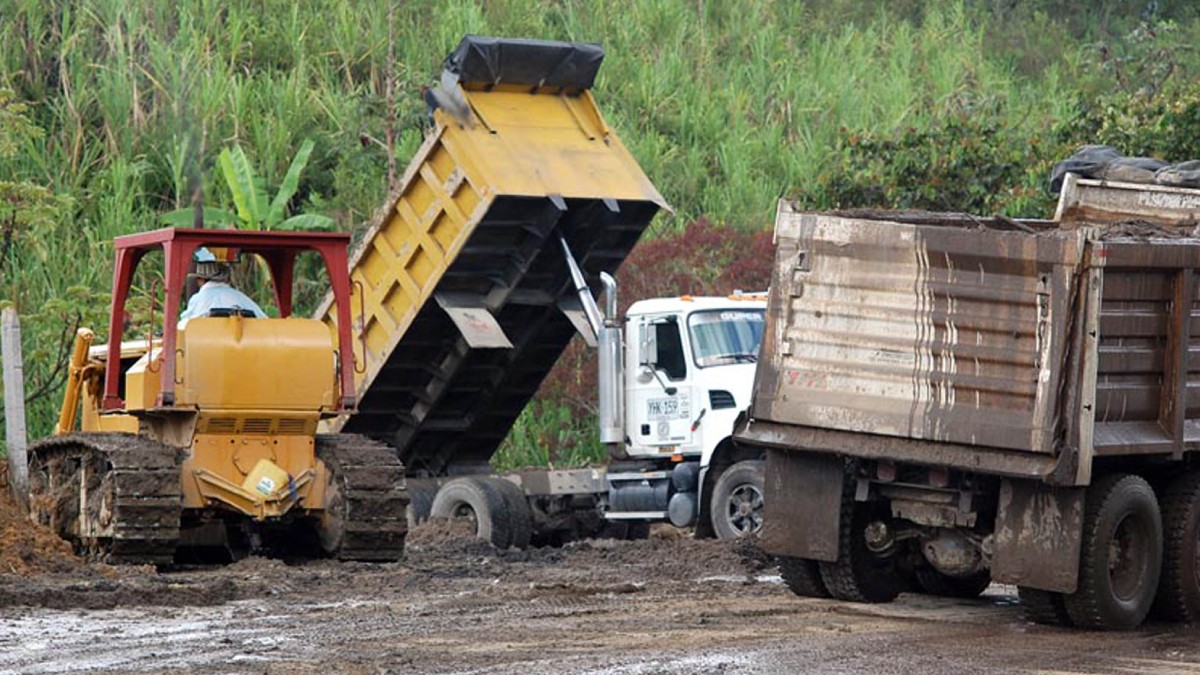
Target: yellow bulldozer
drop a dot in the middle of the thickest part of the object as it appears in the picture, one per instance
(203, 435)
(235, 432)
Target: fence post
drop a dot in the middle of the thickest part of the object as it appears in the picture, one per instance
(14, 403)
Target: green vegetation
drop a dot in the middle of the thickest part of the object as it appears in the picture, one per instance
(121, 112)
(254, 211)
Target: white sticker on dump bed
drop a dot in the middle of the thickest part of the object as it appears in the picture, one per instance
(667, 409)
(265, 485)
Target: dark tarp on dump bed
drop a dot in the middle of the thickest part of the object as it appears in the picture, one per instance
(540, 63)
(1107, 163)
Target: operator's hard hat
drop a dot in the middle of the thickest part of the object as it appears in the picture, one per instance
(208, 267)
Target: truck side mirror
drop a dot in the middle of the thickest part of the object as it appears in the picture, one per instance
(648, 353)
(649, 358)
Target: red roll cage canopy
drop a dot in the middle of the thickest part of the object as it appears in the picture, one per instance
(278, 249)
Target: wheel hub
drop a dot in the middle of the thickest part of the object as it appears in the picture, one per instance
(1127, 559)
(744, 510)
(465, 512)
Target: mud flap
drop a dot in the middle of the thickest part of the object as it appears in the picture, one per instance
(803, 504)
(1039, 530)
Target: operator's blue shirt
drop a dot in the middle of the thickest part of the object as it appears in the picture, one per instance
(219, 295)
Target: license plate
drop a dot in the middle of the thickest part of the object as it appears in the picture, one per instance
(666, 409)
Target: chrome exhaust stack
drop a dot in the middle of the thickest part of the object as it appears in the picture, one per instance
(611, 349)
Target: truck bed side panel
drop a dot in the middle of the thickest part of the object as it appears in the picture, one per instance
(1147, 397)
(940, 332)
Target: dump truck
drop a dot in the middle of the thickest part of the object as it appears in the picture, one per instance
(948, 400)
(230, 433)
(468, 286)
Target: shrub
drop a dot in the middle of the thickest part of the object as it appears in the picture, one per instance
(967, 160)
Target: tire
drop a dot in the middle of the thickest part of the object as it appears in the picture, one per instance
(858, 575)
(933, 582)
(802, 577)
(1121, 555)
(420, 501)
(1045, 607)
(474, 498)
(1178, 597)
(736, 509)
(520, 517)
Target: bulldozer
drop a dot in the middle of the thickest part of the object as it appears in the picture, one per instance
(203, 436)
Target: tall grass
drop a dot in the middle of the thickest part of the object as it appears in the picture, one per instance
(727, 105)
(550, 433)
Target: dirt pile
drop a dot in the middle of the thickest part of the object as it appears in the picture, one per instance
(443, 533)
(662, 560)
(446, 548)
(27, 548)
(40, 571)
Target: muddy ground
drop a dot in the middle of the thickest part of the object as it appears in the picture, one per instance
(455, 605)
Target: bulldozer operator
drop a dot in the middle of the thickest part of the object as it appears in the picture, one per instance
(215, 291)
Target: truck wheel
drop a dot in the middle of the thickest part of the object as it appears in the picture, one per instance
(1046, 607)
(858, 575)
(934, 582)
(1121, 555)
(1178, 597)
(481, 503)
(803, 577)
(420, 502)
(737, 500)
(520, 516)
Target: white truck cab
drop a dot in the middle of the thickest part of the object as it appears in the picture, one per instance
(687, 372)
(692, 362)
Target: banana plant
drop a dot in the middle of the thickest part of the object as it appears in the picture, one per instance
(253, 210)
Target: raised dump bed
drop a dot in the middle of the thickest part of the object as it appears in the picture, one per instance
(460, 285)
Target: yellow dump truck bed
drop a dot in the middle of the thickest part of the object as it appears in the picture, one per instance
(459, 283)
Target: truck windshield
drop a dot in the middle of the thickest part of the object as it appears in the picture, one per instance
(725, 336)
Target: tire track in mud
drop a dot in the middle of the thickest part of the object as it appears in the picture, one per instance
(617, 607)
(127, 640)
(502, 627)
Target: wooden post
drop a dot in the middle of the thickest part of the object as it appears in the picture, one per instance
(14, 403)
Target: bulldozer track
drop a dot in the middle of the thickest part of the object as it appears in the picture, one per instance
(114, 496)
(368, 476)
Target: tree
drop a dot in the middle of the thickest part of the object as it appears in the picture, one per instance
(29, 216)
(252, 209)
(25, 208)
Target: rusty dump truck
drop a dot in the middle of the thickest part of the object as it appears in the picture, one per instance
(946, 400)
